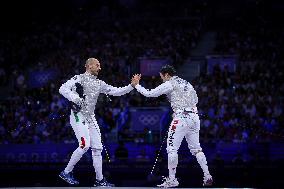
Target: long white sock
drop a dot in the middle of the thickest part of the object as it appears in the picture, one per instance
(98, 163)
(172, 164)
(76, 156)
(203, 163)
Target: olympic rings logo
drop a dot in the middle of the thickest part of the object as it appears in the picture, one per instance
(149, 119)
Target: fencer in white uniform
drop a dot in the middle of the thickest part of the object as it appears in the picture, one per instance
(185, 123)
(83, 91)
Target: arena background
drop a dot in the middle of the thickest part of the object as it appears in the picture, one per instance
(231, 51)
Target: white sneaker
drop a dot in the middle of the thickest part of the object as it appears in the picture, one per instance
(207, 180)
(169, 183)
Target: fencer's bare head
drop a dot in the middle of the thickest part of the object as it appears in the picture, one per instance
(93, 66)
(167, 72)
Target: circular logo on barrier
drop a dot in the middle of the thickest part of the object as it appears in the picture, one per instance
(149, 119)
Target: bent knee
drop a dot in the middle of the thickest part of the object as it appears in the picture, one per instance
(97, 151)
(195, 151)
(171, 149)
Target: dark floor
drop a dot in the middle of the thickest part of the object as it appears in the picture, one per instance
(260, 175)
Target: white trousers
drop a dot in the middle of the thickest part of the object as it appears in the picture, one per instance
(88, 135)
(87, 131)
(184, 126)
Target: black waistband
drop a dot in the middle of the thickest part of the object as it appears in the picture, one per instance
(189, 112)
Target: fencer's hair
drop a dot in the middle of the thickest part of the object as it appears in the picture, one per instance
(89, 60)
(169, 70)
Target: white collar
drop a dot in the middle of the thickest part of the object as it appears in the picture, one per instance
(173, 77)
(90, 75)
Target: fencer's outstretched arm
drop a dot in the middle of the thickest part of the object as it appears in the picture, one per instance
(164, 88)
(66, 89)
(115, 91)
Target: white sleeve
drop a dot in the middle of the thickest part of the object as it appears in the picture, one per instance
(164, 88)
(115, 91)
(66, 88)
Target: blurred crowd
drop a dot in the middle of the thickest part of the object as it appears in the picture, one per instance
(249, 101)
(40, 114)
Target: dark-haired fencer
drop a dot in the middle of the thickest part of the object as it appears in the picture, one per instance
(185, 123)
